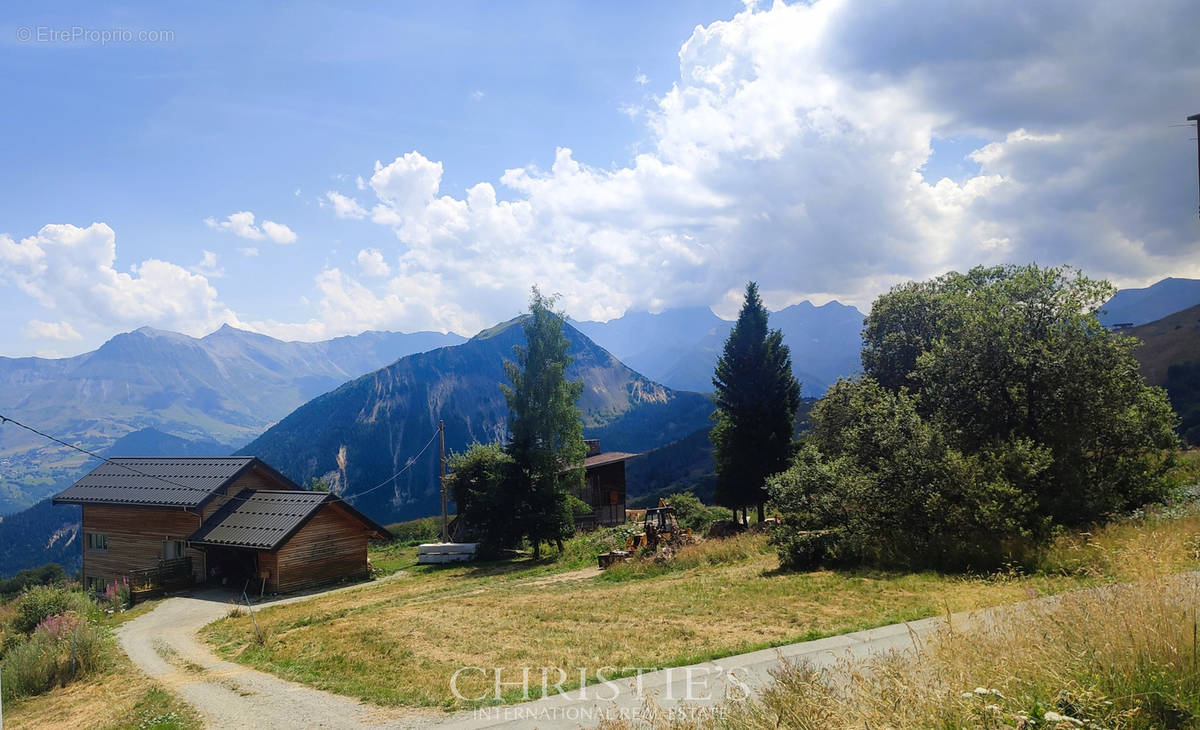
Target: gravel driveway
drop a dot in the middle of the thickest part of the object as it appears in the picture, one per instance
(164, 644)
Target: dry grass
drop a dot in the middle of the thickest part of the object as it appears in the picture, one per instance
(1120, 657)
(1128, 551)
(398, 643)
(121, 697)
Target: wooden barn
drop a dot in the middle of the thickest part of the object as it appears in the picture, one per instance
(229, 521)
(603, 487)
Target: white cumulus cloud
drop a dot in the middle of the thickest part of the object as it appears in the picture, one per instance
(241, 224)
(70, 270)
(208, 266)
(59, 331)
(790, 151)
(344, 206)
(372, 263)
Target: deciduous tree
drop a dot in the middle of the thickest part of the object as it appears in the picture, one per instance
(993, 407)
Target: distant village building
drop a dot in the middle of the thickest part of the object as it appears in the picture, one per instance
(223, 520)
(603, 487)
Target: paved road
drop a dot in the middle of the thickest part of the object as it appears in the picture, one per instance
(695, 691)
(164, 644)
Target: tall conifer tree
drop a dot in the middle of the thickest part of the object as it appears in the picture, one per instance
(757, 398)
(545, 426)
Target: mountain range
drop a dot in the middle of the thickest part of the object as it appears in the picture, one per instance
(679, 347)
(1136, 307)
(385, 418)
(151, 392)
(210, 394)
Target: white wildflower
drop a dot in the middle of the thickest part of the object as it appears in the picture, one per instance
(1056, 717)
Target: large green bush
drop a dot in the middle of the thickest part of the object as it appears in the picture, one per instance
(993, 407)
(481, 481)
(68, 641)
(38, 603)
(694, 514)
(878, 484)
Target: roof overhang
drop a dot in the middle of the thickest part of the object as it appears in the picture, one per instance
(266, 519)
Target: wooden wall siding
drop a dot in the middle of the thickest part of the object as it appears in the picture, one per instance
(269, 563)
(253, 479)
(135, 538)
(330, 547)
(598, 485)
(258, 479)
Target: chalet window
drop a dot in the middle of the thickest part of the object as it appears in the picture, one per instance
(93, 584)
(97, 542)
(173, 549)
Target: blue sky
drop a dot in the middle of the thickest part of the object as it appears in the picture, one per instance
(628, 156)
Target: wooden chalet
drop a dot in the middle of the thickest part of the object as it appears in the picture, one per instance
(221, 520)
(603, 490)
(603, 487)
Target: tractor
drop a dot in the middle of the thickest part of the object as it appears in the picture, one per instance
(660, 529)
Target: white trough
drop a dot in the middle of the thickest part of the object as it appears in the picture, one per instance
(446, 552)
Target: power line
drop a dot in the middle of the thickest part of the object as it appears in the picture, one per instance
(341, 498)
(408, 465)
(5, 419)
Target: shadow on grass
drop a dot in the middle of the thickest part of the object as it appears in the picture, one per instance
(508, 566)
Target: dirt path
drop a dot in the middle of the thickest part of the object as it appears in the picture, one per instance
(164, 644)
(580, 574)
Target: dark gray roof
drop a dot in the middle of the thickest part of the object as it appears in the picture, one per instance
(259, 519)
(608, 457)
(264, 519)
(160, 481)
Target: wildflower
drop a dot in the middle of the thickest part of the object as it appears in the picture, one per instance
(1052, 716)
(57, 627)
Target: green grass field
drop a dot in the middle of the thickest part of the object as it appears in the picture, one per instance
(397, 642)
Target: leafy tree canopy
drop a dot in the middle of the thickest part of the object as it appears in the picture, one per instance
(993, 405)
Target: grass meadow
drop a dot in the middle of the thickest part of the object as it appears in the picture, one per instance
(398, 641)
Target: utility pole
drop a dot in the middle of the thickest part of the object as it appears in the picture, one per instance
(442, 433)
(1196, 118)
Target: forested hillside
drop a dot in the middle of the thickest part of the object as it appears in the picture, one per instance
(384, 419)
